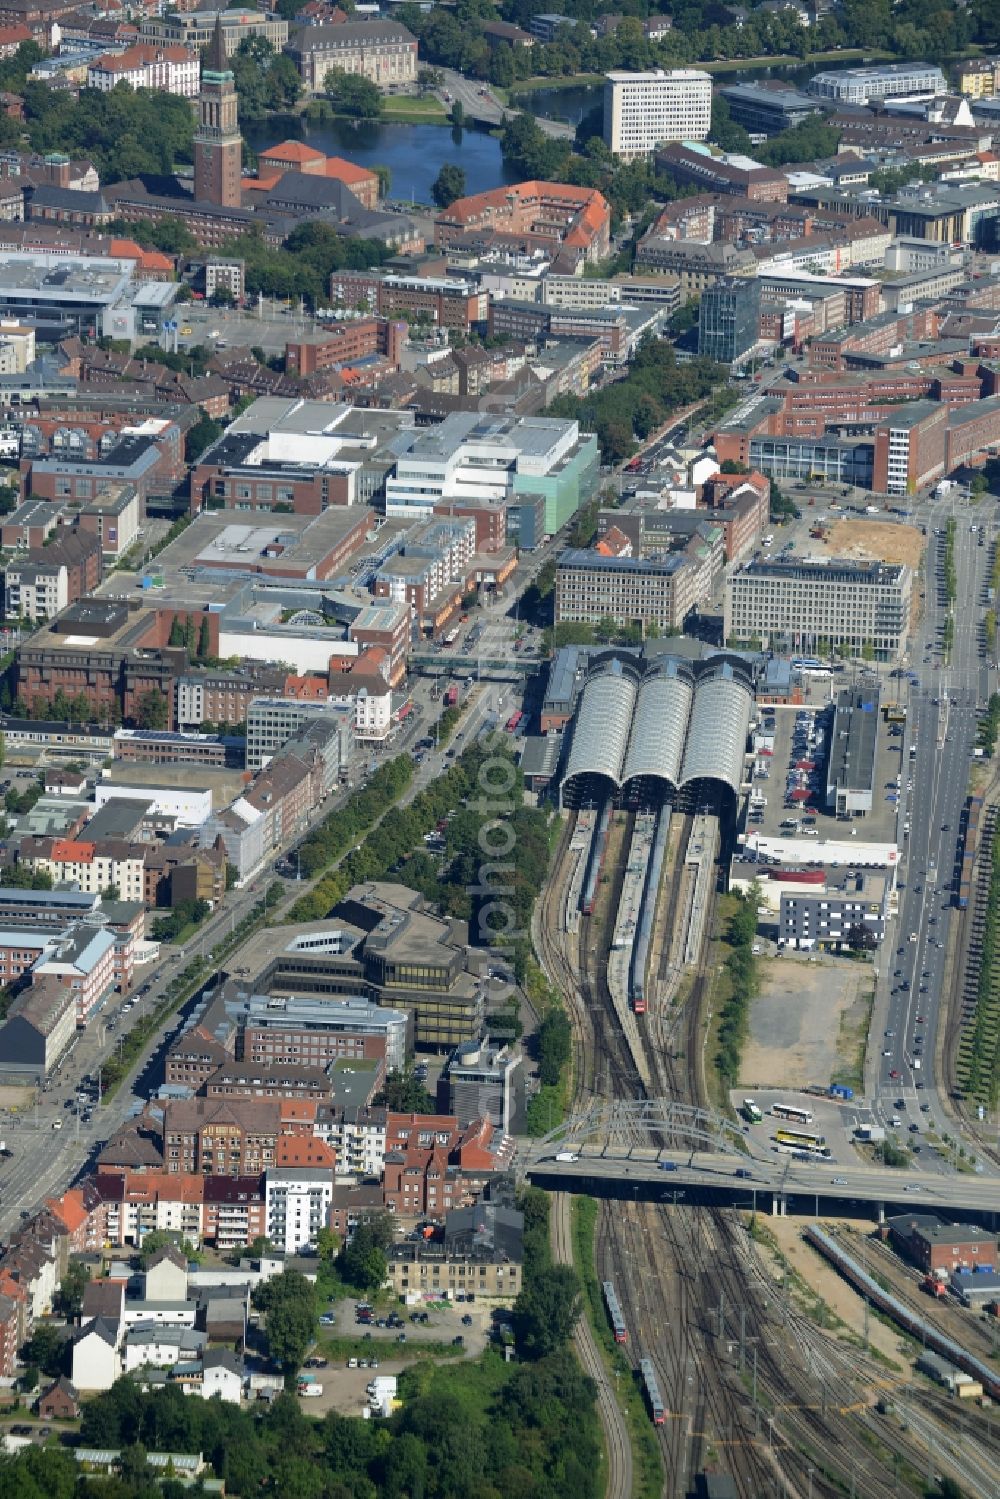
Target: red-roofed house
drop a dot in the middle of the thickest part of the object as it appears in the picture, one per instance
(304, 1150)
(154, 263)
(614, 543)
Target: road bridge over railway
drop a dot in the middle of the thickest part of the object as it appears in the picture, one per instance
(660, 1150)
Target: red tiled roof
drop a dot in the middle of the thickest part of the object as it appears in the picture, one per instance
(290, 151)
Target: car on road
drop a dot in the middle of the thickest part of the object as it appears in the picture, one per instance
(839, 1181)
(894, 1074)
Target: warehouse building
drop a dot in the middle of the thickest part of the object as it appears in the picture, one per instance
(937, 1247)
(850, 773)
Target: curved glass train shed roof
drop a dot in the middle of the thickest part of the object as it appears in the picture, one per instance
(664, 728)
(659, 727)
(717, 732)
(603, 722)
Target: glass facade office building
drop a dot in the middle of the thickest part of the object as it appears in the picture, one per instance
(729, 319)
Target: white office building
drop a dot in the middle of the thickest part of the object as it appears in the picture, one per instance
(642, 110)
(479, 457)
(882, 81)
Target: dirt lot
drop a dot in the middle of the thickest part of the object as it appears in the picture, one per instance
(804, 1022)
(828, 1285)
(872, 540)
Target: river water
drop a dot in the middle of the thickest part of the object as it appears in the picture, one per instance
(416, 153)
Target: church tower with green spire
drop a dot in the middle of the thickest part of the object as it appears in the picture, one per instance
(218, 145)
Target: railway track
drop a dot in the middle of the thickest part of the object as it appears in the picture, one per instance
(695, 1294)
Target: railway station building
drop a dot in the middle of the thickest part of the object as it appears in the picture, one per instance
(647, 730)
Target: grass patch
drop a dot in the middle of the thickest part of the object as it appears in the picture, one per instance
(786, 60)
(425, 111)
(647, 1466)
(851, 1044)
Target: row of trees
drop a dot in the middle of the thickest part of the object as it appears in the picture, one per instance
(454, 881)
(742, 972)
(186, 913)
(304, 264)
(267, 82)
(636, 406)
(185, 633)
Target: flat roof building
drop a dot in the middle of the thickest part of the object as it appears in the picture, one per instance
(817, 606)
(858, 85)
(850, 771)
(848, 912)
(643, 109)
(768, 107)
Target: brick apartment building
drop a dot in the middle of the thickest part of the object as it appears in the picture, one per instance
(344, 343)
(230, 1137)
(449, 303)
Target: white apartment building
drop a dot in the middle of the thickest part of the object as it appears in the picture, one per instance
(171, 70)
(358, 1137)
(815, 606)
(641, 110)
(34, 591)
(297, 1206)
(91, 867)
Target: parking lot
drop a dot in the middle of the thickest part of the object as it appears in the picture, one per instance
(789, 789)
(376, 1350)
(834, 1121)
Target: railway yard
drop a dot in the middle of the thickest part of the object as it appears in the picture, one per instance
(754, 1376)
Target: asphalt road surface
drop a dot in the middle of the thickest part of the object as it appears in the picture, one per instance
(937, 750)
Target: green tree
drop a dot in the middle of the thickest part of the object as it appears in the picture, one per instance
(448, 185)
(205, 431)
(350, 94)
(291, 1326)
(204, 640)
(45, 1349)
(384, 175)
(151, 710)
(554, 1044)
(546, 1311)
(362, 1261)
(404, 1093)
(69, 1297)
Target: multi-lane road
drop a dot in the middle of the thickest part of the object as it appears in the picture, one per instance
(936, 753)
(720, 1177)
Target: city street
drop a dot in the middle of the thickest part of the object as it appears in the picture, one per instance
(937, 751)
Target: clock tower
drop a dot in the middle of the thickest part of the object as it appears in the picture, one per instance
(218, 145)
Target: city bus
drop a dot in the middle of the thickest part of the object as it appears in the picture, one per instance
(792, 1112)
(751, 1112)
